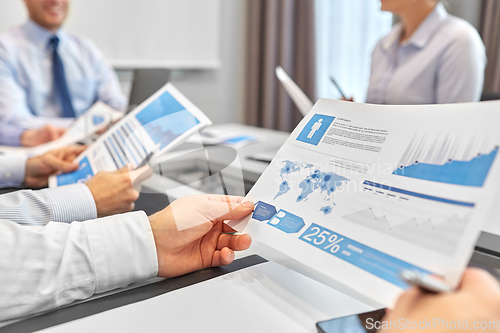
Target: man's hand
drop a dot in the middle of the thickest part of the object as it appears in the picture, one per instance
(476, 301)
(38, 169)
(190, 233)
(35, 137)
(114, 192)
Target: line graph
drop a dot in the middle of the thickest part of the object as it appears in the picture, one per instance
(442, 237)
(446, 158)
(429, 222)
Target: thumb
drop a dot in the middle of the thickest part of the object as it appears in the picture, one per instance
(70, 153)
(139, 175)
(232, 211)
(193, 233)
(52, 132)
(60, 131)
(478, 280)
(60, 165)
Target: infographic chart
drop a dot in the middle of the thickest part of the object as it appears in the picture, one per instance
(447, 160)
(426, 221)
(308, 180)
(165, 119)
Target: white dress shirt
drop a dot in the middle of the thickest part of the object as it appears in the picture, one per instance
(44, 267)
(11, 135)
(12, 170)
(46, 264)
(442, 62)
(62, 204)
(27, 97)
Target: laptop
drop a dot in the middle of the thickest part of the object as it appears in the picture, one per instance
(145, 83)
(303, 103)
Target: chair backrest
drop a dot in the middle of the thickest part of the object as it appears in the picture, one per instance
(490, 96)
(146, 82)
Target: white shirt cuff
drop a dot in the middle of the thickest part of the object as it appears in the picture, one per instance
(72, 203)
(12, 169)
(123, 250)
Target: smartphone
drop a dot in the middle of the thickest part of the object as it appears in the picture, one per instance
(360, 323)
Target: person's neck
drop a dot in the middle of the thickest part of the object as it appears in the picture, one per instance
(51, 28)
(412, 17)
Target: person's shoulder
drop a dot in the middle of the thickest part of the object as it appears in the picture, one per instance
(83, 43)
(459, 31)
(11, 38)
(86, 47)
(11, 43)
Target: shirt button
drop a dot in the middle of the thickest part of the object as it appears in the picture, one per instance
(8, 175)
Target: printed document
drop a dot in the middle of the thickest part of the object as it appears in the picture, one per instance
(94, 120)
(158, 125)
(361, 192)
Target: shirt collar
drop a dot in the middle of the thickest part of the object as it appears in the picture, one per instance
(40, 35)
(425, 31)
(393, 36)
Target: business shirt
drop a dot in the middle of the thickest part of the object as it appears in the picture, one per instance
(12, 170)
(11, 135)
(62, 204)
(46, 261)
(43, 267)
(442, 62)
(26, 79)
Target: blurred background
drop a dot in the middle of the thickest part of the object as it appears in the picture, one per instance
(222, 53)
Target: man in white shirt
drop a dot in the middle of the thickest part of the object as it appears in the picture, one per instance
(44, 267)
(105, 194)
(49, 258)
(48, 76)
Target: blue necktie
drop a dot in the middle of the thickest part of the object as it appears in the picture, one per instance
(60, 86)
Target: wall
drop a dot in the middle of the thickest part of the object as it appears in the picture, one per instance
(218, 93)
(146, 33)
(469, 10)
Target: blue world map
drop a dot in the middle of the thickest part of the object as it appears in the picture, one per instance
(314, 180)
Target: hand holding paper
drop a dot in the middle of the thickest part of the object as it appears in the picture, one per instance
(159, 124)
(36, 137)
(38, 169)
(476, 302)
(362, 192)
(115, 192)
(190, 233)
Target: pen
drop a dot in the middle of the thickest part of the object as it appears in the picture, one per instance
(338, 87)
(425, 282)
(145, 160)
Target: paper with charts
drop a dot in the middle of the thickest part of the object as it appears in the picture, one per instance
(159, 124)
(360, 192)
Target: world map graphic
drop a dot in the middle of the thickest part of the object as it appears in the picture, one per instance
(310, 180)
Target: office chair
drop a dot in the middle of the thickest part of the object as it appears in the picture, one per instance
(145, 83)
(490, 96)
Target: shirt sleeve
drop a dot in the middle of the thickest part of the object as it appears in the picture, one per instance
(61, 204)
(108, 86)
(460, 75)
(57, 264)
(12, 170)
(10, 135)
